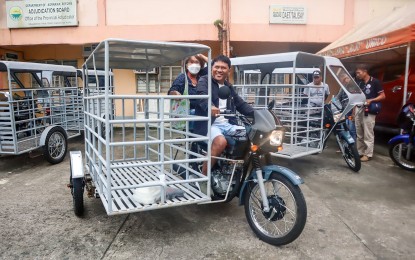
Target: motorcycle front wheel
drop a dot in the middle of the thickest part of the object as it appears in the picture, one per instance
(398, 151)
(351, 155)
(288, 210)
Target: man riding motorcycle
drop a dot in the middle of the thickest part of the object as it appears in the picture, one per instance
(221, 126)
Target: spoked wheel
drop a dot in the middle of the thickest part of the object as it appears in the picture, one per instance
(399, 152)
(351, 155)
(55, 145)
(287, 217)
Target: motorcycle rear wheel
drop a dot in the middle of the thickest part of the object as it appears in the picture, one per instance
(285, 222)
(397, 151)
(351, 155)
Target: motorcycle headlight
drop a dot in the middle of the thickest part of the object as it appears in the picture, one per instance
(276, 138)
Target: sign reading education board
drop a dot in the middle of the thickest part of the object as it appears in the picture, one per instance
(287, 14)
(41, 13)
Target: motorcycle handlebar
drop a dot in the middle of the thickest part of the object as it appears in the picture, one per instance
(227, 113)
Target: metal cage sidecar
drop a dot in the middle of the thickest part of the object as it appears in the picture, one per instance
(284, 78)
(39, 107)
(130, 141)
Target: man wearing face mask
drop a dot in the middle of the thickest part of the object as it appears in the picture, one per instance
(195, 68)
(221, 126)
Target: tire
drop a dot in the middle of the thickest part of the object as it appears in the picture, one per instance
(56, 145)
(287, 196)
(77, 186)
(351, 155)
(77, 191)
(402, 162)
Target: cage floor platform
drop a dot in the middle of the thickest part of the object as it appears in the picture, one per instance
(296, 151)
(122, 199)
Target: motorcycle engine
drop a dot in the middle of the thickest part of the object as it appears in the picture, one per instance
(221, 176)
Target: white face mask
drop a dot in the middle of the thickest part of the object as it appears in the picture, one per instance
(193, 68)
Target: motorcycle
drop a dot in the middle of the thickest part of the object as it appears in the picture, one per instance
(275, 207)
(334, 122)
(401, 147)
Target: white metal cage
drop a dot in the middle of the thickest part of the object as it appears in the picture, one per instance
(285, 79)
(33, 97)
(129, 149)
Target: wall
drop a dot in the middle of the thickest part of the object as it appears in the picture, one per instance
(129, 19)
(368, 9)
(51, 52)
(162, 12)
(124, 82)
(182, 20)
(326, 21)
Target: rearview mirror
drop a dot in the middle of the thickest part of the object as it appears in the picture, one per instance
(224, 92)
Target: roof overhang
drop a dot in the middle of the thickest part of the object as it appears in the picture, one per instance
(387, 32)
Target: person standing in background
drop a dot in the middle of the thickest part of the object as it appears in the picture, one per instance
(366, 116)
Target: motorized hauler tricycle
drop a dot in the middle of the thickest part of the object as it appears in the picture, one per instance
(131, 159)
(39, 108)
(308, 119)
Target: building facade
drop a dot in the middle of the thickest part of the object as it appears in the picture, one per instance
(66, 31)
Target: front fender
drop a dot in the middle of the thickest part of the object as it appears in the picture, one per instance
(399, 138)
(45, 132)
(345, 135)
(267, 171)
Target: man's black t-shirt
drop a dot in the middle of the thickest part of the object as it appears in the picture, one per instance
(372, 88)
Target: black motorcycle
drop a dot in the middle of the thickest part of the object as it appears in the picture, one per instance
(334, 122)
(274, 204)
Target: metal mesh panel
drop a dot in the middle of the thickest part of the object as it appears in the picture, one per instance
(301, 119)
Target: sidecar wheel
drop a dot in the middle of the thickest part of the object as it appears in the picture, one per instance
(77, 186)
(288, 215)
(77, 191)
(56, 145)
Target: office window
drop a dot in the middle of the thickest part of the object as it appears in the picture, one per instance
(160, 80)
(167, 76)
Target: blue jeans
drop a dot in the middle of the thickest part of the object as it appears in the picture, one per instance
(352, 128)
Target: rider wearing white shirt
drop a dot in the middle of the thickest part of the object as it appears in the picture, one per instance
(222, 107)
(317, 95)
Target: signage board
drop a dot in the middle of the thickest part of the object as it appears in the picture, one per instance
(287, 14)
(41, 13)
